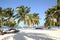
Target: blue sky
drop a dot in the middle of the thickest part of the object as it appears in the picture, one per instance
(38, 6)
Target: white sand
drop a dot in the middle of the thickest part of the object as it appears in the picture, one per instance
(29, 34)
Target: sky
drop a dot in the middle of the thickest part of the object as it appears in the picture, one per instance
(36, 6)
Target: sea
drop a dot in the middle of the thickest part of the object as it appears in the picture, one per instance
(18, 27)
(26, 27)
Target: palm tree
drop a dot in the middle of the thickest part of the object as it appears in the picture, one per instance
(50, 16)
(2, 21)
(58, 12)
(35, 19)
(28, 20)
(32, 19)
(9, 12)
(58, 2)
(22, 12)
(46, 23)
(10, 22)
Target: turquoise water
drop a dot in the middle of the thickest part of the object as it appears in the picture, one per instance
(18, 27)
(53, 26)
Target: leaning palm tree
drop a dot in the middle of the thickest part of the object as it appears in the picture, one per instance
(0, 15)
(11, 24)
(22, 12)
(9, 13)
(2, 21)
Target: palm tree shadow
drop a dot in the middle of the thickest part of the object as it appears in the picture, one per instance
(19, 36)
(35, 36)
(38, 36)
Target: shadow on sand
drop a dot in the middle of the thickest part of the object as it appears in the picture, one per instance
(35, 36)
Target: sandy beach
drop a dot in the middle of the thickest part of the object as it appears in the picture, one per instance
(32, 34)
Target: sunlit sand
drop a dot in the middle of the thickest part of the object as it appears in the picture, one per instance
(32, 34)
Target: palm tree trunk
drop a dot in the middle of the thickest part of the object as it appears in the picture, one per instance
(58, 21)
(58, 2)
(54, 24)
(51, 23)
(29, 24)
(1, 32)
